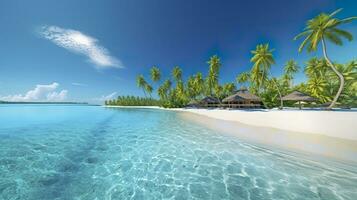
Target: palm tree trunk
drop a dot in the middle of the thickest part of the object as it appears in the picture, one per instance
(340, 76)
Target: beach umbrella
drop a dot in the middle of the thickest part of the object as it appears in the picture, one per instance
(300, 103)
(299, 97)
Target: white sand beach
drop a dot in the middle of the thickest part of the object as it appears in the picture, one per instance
(328, 133)
(339, 124)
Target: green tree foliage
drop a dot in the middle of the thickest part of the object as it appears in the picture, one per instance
(133, 101)
(290, 69)
(263, 60)
(141, 83)
(213, 75)
(243, 78)
(326, 27)
(155, 74)
(326, 81)
(323, 83)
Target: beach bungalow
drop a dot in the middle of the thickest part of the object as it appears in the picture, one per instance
(209, 101)
(242, 99)
(193, 104)
(299, 97)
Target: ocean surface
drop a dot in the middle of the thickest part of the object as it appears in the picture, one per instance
(91, 152)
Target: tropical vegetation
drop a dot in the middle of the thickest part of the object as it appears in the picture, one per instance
(329, 82)
(133, 101)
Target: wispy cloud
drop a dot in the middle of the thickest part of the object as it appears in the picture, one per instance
(106, 97)
(79, 84)
(80, 43)
(39, 93)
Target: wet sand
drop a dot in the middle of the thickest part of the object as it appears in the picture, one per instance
(311, 145)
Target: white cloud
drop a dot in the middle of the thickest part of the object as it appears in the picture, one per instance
(80, 43)
(39, 93)
(79, 84)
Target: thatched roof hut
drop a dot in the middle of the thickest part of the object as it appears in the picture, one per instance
(298, 96)
(241, 95)
(193, 103)
(209, 100)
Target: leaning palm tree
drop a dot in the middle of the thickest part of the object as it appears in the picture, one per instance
(148, 89)
(141, 83)
(321, 28)
(263, 59)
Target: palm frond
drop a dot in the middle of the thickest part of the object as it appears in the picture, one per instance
(333, 38)
(343, 33)
(302, 34)
(303, 44)
(315, 41)
(335, 12)
(347, 20)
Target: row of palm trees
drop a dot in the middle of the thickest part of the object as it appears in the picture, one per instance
(133, 101)
(326, 80)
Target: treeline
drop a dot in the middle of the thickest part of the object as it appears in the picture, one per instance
(329, 82)
(133, 101)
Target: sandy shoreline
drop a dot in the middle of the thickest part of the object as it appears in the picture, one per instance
(339, 124)
(330, 134)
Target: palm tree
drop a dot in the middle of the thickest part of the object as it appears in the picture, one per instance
(213, 73)
(155, 74)
(263, 59)
(191, 92)
(199, 83)
(243, 77)
(218, 91)
(317, 87)
(321, 28)
(141, 83)
(161, 92)
(167, 85)
(177, 74)
(164, 89)
(290, 68)
(315, 67)
(228, 89)
(148, 89)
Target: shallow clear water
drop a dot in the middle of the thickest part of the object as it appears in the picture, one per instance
(84, 152)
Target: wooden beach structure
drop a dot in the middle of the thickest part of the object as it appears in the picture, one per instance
(299, 97)
(193, 104)
(210, 102)
(242, 99)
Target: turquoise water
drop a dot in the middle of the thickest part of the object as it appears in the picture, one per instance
(88, 152)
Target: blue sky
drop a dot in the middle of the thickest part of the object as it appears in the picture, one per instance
(88, 50)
